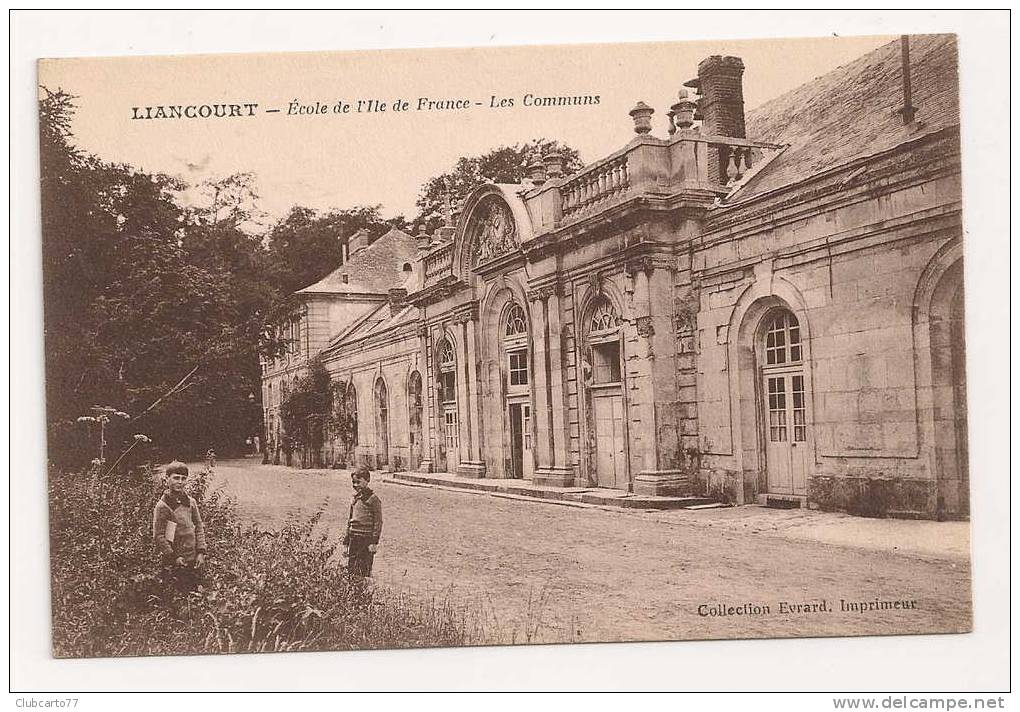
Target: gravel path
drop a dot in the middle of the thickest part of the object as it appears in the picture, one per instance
(537, 572)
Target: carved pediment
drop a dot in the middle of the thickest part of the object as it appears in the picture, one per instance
(494, 231)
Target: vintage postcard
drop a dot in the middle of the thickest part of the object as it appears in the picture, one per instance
(547, 344)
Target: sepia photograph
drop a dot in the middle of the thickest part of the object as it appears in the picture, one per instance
(505, 346)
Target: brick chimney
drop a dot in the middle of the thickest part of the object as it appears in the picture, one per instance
(720, 83)
(397, 299)
(357, 242)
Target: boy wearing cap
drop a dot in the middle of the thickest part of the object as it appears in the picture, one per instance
(178, 532)
(364, 525)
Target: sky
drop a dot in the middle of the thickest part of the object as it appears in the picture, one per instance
(340, 160)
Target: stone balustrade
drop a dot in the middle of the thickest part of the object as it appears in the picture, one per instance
(438, 263)
(692, 162)
(596, 185)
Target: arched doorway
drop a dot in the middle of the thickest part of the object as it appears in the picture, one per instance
(603, 375)
(414, 412)
(783, 419)
(449, 454)
(382, 423)
(949, 394)
(518, 391)
(345, 422)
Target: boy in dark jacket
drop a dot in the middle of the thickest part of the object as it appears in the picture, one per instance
(178, 532)
(364, 525)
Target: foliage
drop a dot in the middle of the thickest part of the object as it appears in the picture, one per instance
(139, 291)
(506, 164)
(306, 407)
(263, 590)
(343, 419)
(306, 245)
(160, 297)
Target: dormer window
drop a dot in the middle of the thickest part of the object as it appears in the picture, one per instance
(345, 279)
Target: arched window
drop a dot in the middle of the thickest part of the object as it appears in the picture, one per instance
(515, 343)
(348, 411)
(447, 372)
(448, 403)
(782, 339)
(414, 412)
(382, 422)
(603, 317)
(604, 343)
(515, 321)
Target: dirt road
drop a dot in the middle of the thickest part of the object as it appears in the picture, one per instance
(546, 573)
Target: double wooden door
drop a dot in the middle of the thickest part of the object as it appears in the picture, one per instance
(786, 431)
(610, 455)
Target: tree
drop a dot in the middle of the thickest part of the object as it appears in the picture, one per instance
(506, 164)
(141, 292)
(306, 245)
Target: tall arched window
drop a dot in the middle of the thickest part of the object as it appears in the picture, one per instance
(414, 412)
(448, 402)
(784, 394)
(782, 339)
(447, 372)
(382, 422)
(515, 344)
(604, 343)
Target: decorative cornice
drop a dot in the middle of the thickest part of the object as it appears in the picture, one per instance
(635, 265)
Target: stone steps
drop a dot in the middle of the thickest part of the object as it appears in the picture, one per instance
(526, 490)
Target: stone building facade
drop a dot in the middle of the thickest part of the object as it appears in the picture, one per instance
(761, 308)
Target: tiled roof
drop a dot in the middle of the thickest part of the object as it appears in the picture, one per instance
(374, 269)
(377, 322)
(851, 112)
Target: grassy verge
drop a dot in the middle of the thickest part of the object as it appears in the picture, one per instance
(263, 590)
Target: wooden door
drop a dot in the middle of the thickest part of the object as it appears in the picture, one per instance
(522, 462)
(527, 457)
(786, 432)
(610, 461)
(450, 437)
(516, 441)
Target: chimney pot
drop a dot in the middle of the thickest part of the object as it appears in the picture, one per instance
(357, 242)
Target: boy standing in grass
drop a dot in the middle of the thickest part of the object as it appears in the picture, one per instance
(364, 525)
(178, 532)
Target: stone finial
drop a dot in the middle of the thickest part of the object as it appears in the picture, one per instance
(553, 164)
(642, 115)
(447, 204)
(536, 172)
(422, 240)
(670, 116)
(683, 110)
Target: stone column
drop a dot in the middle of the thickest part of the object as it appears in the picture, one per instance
(556, 471)
(652, 480)
(429, 415)
(474, 390)
(470, 465)
(540, 380)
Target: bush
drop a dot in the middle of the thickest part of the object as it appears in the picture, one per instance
(263, 590)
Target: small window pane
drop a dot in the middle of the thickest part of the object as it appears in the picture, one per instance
(606, 362)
